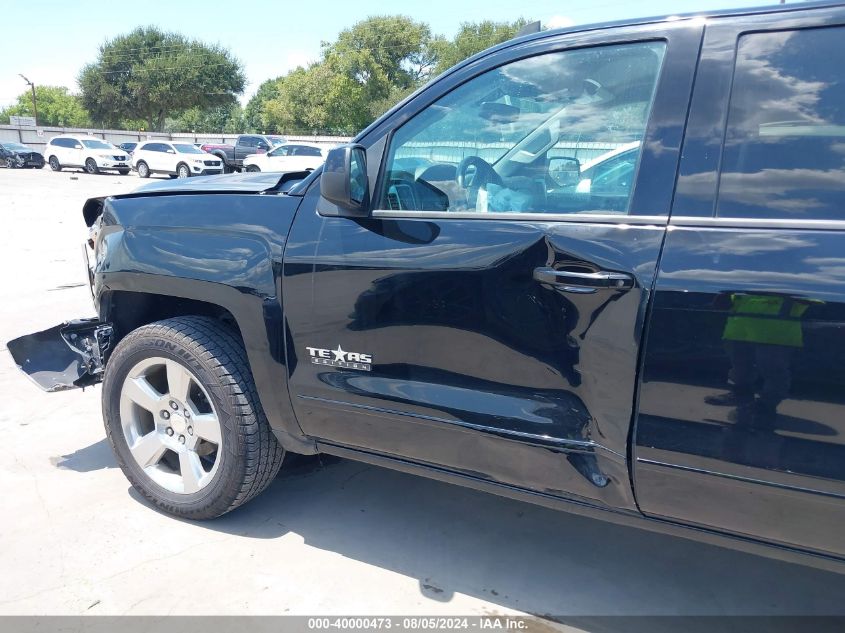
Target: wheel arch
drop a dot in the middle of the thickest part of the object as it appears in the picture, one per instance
(128, 310)
(132, 300)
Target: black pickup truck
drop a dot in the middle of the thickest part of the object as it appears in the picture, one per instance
(245, 145)
(600, 269)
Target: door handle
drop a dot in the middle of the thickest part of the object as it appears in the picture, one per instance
(580, 282)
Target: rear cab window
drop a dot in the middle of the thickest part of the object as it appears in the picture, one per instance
(784, 149)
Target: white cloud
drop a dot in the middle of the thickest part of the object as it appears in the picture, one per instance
(558, 22)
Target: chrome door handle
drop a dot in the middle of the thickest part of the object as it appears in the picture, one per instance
(580, 282)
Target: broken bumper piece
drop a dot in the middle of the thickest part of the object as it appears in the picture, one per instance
(66, 356)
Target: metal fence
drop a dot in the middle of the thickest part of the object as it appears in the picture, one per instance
(37, 137)
(455, 152)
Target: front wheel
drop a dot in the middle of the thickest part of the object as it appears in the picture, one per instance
(91, 166)
(253, 168)
(183, 418)
(54, 164)
(182, 171)
(11, 163)
(143, 169)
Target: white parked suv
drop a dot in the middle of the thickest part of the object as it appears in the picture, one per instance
(288, 157)
(180, 160)
(92, 154)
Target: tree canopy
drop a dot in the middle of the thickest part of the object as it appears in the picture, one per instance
(150, 74)
(474, 37)
(368, 69)
(156, 80)
(56, 106)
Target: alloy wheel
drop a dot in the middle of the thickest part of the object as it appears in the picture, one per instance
(170, 425)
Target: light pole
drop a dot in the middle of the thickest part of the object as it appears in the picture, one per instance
(34, 103)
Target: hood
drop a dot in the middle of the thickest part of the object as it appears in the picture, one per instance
(251, 182)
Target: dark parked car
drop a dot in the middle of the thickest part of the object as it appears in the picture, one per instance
(245, 145)
(128, 147)
(660, 347)
(17, 155)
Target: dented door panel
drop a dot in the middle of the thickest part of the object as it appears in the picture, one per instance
(476, 365)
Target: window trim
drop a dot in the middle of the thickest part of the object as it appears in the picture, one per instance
(755, 223)
(683, 40)
(515, 216)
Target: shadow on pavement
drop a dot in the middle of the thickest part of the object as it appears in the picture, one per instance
(94, 457)
(521, 556)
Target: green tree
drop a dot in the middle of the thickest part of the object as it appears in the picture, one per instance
(56, 106)
(361, 74)
(368, 69)
(317, 98)
(254, 119)
(228, 119)
(150, 75)
(472, 38)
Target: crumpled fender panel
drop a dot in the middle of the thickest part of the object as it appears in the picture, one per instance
(66, 356)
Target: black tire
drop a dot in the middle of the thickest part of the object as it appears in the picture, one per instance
(143, 169)
(250, 457)
(253, 168)
(11, 163)
(183, 171)
(227, 168)
(55, 165)
(123, 172)
(91, 166)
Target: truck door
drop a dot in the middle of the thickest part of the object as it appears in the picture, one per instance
(486, 318)
(246, 146)
(742, 408)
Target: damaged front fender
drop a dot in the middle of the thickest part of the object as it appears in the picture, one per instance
(66, 356)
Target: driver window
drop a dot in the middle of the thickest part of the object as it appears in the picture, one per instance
(555, 133)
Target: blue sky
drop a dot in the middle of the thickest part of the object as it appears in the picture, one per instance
(50, 40)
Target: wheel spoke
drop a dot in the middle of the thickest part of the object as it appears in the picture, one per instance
(191, 470)
(148, 450)
(142, 393)
(207, 427)
(178, 381)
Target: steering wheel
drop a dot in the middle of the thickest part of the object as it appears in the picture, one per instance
(473, 173)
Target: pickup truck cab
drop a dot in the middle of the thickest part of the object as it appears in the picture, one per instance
(599, 269)
(245, 145)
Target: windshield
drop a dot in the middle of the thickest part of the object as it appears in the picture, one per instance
(276, 140)
(94, 144)
(16, 147)
(184, 148)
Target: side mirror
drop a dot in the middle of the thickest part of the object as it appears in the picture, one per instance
(77, 147)
(344, 182)
(171, 151)
(565, 171)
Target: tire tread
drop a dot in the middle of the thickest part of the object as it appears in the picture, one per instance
(220, 349)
